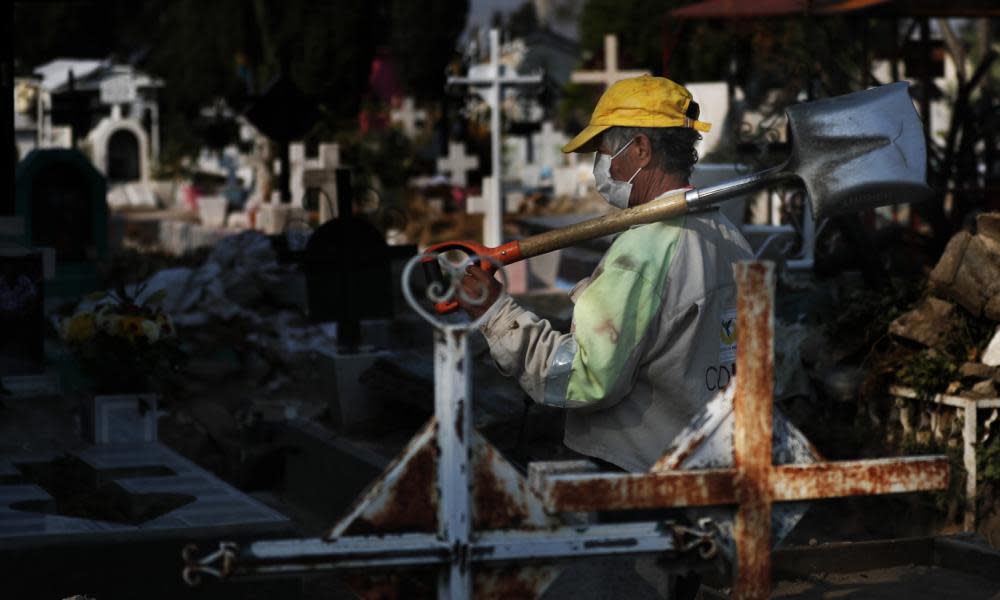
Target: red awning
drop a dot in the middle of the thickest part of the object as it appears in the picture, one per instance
(742, 9)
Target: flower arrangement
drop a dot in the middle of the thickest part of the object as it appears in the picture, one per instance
(121, 344)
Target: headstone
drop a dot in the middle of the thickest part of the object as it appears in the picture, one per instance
(119, 89)
(315, 174)
(564, 180)
(713, 101)
(408, 117)
(476, 205)
(121, 149)
(275, 218)
(21, 311)
(489, 80)
(548, 146)
(125, 419)
(132, 195)
(513, 201)
(991, 356)
(610, 74)
(212, 210)
(63, 201)
(458, 164)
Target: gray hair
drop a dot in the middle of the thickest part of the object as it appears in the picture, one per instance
(673, 147)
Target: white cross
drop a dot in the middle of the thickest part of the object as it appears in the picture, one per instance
(458, 163)
(610, 74)
(495, 76)
(547, 153)
(408, 115)
(301, 169)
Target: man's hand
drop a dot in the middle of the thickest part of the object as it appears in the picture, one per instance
(475, 282)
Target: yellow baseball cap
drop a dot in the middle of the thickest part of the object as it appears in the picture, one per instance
(643, 101)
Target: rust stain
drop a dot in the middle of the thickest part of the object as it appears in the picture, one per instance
(412, 506)
(417, 583)
(675, 456)
(460, 420)
(609, 327)
(511, 582)
(494, 507)
(704, 487)
(855, 478)
(752, 412)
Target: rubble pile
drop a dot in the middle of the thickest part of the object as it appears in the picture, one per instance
(954, 327)
(252, 356)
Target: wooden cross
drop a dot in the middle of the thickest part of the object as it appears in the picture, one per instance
(610, 74)
(458, 163)
(408, 116)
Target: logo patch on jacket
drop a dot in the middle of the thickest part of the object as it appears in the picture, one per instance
(727, 336)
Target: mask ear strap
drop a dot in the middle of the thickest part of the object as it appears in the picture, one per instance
(634, 175)
(622, 149)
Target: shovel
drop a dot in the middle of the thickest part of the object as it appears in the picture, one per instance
(852, 152)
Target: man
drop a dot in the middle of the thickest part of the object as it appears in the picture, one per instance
(653, 334)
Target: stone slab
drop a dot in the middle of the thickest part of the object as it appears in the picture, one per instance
(217, 503)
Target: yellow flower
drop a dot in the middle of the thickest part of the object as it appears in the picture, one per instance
(79, 328)
(166, 325)
(151, 330)
(131, 327)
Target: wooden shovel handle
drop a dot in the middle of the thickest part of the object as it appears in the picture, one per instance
(666, 207)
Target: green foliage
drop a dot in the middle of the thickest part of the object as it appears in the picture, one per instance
(383, 159)
(988, 462)
(423, 42)
(232, 49)
(928, 372)
(868, 313)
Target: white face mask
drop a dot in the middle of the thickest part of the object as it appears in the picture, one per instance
(615, 192)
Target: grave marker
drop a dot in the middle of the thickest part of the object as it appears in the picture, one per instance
(458, 164)
(490, 83)
(408, 116)
(610, 74)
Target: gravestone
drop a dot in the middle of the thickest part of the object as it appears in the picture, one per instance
(408, 116)
(63, 201)
(610, 74)
(21, 311)
(458, 164)
(121, 150)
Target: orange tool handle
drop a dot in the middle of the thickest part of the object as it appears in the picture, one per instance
(505, 255)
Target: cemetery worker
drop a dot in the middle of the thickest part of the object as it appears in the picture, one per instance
(653, 334)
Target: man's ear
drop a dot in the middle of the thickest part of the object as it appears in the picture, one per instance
(644, 149)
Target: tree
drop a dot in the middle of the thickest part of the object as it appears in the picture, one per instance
(231, 48)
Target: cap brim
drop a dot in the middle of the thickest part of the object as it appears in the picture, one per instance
(586, 140)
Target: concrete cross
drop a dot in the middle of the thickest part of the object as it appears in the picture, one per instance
(408, 116)
(328, 160)
(610, 74)
(548, 153)
(458, 163)
(496, 76)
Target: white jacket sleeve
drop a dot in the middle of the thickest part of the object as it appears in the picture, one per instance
(527, 348)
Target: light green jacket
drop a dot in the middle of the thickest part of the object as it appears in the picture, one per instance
(653, 333)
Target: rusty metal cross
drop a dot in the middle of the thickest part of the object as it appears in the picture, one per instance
(451, 501)
(754, 483)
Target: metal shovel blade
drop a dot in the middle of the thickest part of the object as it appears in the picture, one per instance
(859, 151)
